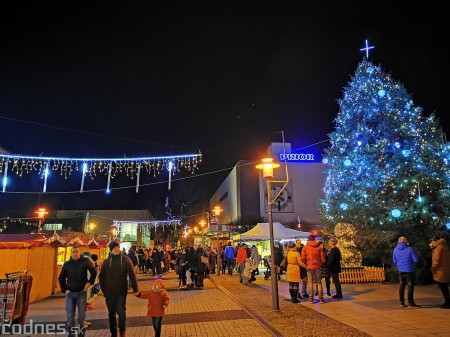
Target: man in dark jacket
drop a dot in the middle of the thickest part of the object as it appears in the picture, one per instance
(405, 259)
(334, 266)
(73, 280)
(114, 284)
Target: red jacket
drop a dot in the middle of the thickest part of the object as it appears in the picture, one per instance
(158, 299)
(313, 255)
(241, 255)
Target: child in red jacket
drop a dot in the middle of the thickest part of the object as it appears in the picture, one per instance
(158, 300)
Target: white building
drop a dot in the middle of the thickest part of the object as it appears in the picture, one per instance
(244, 191)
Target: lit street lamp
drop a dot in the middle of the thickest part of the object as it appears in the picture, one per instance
(91, 228)
(41, 213)
(216, 213)
(267, 165)
(202, 224)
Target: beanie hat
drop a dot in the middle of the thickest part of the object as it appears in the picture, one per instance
(435, 238)
(158, 278)
(311, 238)
(113, 244)
(402, 239)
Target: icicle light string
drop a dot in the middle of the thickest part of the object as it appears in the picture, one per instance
(21, 164)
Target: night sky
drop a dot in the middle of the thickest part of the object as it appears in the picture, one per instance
(115, 80)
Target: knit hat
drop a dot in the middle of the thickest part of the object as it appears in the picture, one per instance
(311, 238)
(402, 239)
(158, 278)
(113, 244)
(435, 238)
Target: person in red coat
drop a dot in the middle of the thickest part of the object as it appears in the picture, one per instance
(314, 257)
(158, 300)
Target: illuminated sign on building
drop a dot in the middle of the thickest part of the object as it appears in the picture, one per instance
(52, 226)
(296, 156)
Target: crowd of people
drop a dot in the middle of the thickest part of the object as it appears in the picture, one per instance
(305, 267)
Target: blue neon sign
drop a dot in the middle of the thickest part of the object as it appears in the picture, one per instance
(296, 156)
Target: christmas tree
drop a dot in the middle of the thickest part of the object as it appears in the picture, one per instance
(345, 236)
(387, 166)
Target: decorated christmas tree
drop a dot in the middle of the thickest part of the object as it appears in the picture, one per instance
(387, 166)
(345, 236)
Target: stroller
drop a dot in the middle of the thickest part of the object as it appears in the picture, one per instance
(267, 273)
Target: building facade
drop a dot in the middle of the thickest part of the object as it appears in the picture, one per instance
(244, 191)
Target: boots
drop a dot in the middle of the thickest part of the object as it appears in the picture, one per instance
(293, 293)
(122, 333)
(295, 298)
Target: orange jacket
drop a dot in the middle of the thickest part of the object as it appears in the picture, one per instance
(313, 255)
(157, 302)
(241, 255)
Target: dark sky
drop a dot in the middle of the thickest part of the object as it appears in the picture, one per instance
(104, 79)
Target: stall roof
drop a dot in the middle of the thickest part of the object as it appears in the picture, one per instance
(21, 240)
(262, 232)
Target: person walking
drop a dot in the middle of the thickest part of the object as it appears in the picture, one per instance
(313, 256)
(405, 259)
(334, 267)
(241, 258)
(229, 254)
(114, 275)
(294, 262)
(158, 300)
(74, 283)
(440, 267)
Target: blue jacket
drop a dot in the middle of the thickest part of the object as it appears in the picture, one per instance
(405, 258)
(229, 252)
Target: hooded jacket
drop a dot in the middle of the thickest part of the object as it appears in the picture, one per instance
(313, 255)
(113, 276)
(158, 299)
(404, 258)
(440, 261)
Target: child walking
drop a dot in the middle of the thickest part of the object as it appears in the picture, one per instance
(158, 300)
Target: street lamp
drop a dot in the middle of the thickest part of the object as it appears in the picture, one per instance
(41, 213)
(267, 165)
(216, 213)
(91, 228)
(202, 224)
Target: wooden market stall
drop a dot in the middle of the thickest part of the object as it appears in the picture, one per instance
(29, 252)
(64, 244)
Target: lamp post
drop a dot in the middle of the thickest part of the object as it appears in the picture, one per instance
(216, 213)
(202, 224)
(267, 165)
(91, 228)
(41, 213)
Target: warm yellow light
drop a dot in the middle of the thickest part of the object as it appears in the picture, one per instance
(195, 229)
(114, 231)
(267, 165)
(41, 212)
(202, 223)
(92, 226)
(217, 210)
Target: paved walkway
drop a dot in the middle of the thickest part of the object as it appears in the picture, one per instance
(224, 307)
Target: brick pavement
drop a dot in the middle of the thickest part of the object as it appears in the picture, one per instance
(224, 307)
(196, 312)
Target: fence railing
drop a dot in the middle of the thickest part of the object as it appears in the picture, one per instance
(362, 274)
